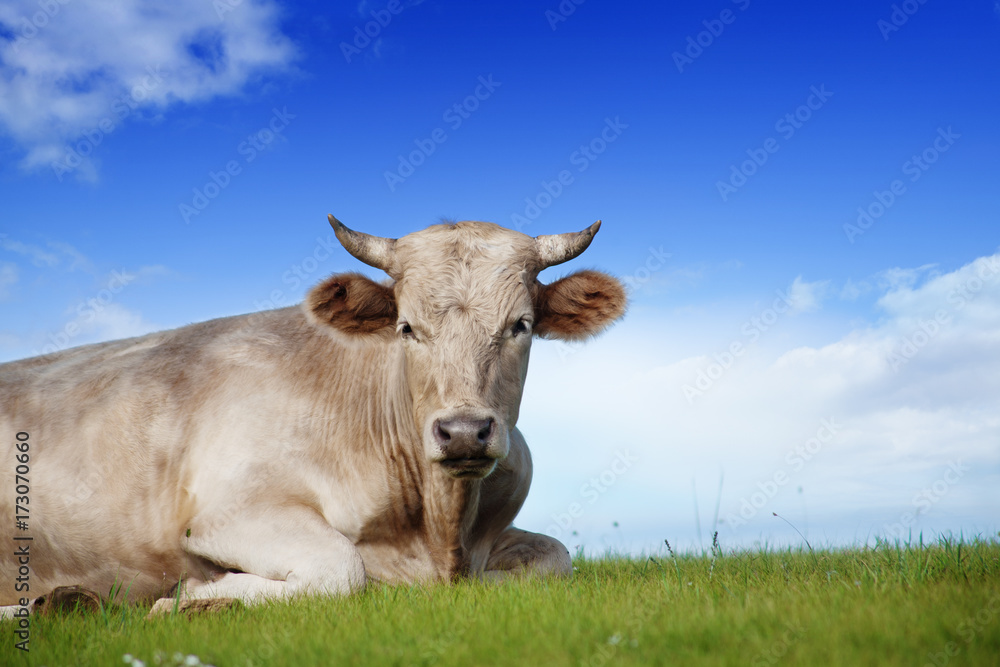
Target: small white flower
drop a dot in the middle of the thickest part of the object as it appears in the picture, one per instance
(614, 639)
(192, 661)
(127, 658)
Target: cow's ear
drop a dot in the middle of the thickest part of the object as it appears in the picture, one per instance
(581, 305)
(352, 304)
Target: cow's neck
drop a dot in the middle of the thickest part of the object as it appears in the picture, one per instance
(426, 499)
(449, 511)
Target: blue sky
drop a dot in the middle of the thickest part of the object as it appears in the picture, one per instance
(166, 166)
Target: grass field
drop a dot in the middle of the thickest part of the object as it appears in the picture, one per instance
(937, 604)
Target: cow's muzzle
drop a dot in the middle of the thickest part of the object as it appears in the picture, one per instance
(467, 446)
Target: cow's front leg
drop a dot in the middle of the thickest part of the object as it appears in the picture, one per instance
(272, 553)
(518, 552)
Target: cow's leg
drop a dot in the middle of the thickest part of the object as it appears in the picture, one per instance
(7, 613)
(517, 552)
(273, 553)
(513, 551)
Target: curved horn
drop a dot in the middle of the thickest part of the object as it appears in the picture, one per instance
(372, 250)
(558, 248)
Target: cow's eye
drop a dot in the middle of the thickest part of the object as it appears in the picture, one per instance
(405, 330)
(521, 327)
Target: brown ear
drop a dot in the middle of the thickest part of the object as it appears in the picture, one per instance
(352, 304)
(578, 306)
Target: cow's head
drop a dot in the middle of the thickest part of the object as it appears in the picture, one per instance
(463, 305)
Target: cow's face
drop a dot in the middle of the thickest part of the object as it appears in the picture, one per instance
(463, 307)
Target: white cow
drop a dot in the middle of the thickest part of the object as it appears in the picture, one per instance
(368, 434)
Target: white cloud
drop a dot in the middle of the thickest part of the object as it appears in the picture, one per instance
(39, 257)
(66, 257)
(92, 321)
(654, 276)
(897, 278)
(805, 297)
(115, 321)
(8, 276)
(79, 261)
(853, 290)
(97, 317)
(76, 69)
(909, 396)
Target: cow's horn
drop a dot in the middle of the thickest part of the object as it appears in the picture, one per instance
(372, 250)
(558, 248)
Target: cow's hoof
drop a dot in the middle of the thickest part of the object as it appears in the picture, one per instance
(65, 599)
(166, 606)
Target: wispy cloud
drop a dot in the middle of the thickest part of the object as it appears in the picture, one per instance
(853, 290)
(61, 259)
(903, 278)
(8, 276)
(805, 297)
(57, 254)
(80, 69)
(38, 256)
(146, 274)
(112, 322)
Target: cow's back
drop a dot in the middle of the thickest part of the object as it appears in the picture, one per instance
(109, 426)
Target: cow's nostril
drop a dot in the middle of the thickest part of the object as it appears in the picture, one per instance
(440, 432)
(485, 432)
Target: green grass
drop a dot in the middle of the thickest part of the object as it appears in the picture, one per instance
(890, 605)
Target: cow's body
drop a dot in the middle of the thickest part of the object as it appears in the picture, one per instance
(276, 453)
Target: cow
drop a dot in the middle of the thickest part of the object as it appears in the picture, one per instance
(365, 435)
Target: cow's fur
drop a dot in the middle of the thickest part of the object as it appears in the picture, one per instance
(291, 450)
